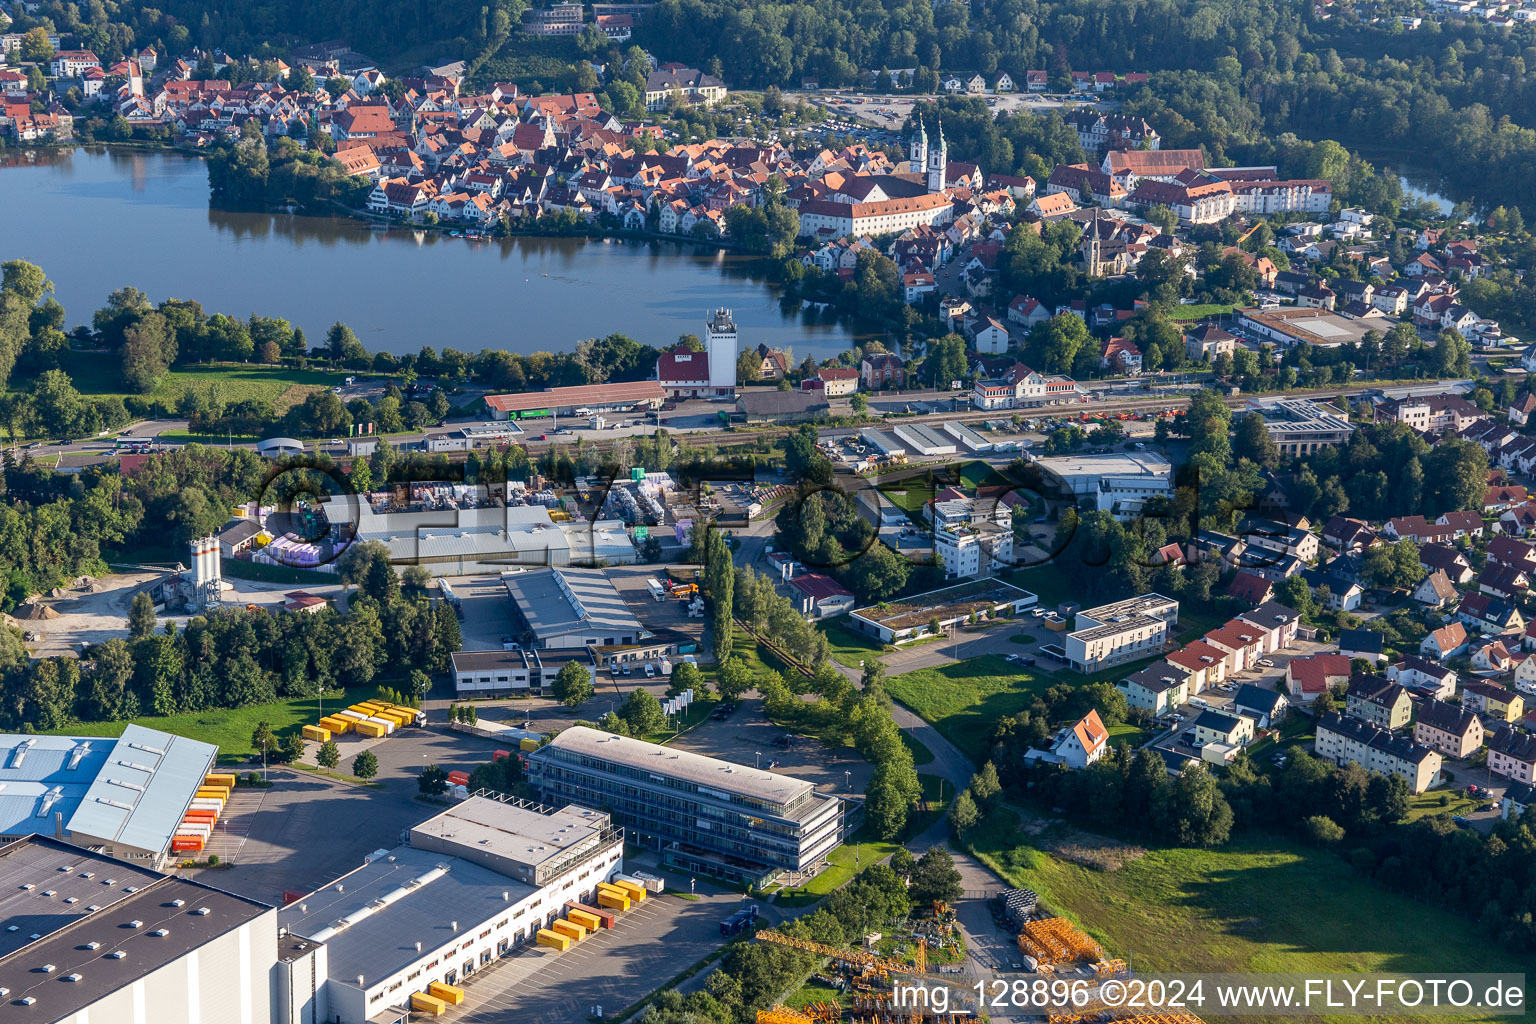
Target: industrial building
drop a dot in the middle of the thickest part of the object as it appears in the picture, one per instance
(569, 608)
(704, 814)
(581, 400)
(88, 939)
(478, 541)
(925, 441)
(1319, 328)
(474, 884)
(1117, 483)
(500, 673)
(120, 797)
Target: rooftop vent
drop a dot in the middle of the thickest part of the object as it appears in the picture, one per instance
(89, 874)
(135, 924)
(178, 903)
(71, 977)
(160, 933)
(201, 911)
(47, 968)
(116, 954)
(93, 944)
(27, 1000)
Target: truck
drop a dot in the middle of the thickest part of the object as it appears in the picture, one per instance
(739, 921)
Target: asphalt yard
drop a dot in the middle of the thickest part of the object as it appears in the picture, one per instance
(612, 968)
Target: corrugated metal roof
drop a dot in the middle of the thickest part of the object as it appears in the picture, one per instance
(41, 776)
(139, 795)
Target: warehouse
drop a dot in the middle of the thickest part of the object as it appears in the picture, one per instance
(123, 797)
(571, 608)
(925, 441)
(501, 673)
(704, 814)
(478, 541)
(582, 400)
(966, 436)
(882, 441)
(92, 940)
(474, 884)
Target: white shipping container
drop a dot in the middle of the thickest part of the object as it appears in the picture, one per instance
(355, 716)
(207, 803)
(382, 723)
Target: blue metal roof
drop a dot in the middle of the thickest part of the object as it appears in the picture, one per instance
(41, 776)
(143, 789)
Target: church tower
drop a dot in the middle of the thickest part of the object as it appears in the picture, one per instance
(938, 163)
(917, 150)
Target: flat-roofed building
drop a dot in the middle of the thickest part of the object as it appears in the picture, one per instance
(1119, 483)
(1299, 427)
(704, 814)
(910, 617)
(571, 608)
(475, 884)
(1112, 634)
(500, 673)
(1317, 327)
(91, 940)
(124, 797)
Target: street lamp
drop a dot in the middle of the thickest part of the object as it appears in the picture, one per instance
(759, 758)
(848, 780)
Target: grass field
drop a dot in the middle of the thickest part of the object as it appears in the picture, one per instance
(1199, 311)
(964, 700)
(235, 382)
(850, 648)
(230, 730)
(1257, 906)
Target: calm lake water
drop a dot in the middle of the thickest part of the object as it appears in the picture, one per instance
(96, 220)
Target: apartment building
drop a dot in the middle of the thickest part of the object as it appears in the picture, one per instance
(1453, 731)
(1115, 633)
(1343, 740)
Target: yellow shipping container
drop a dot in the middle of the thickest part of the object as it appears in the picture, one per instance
(335, 724)
(554, 940)
(611, 901)
(633, 891)
(318, 733)
(220, 779)
(369, 729)
(447, 993)
(569, 928)
(361, 709)
(529, 743)
(212, 793)
(400, 718)
(590, 922)
(423, 1003)
(370, 706)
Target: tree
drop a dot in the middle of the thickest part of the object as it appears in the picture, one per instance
(643, 713)
(935, 877)
(685, 676)
(329, 755)
(963, 815)
(573, 684)
(858, 403)
(433, 781)
(291, 748)
(1322, 830)
(141, 615)
(733, 679)
(262, 738)
(1393, 566)
(1054, 344)
(1254, 443)
(365, 765)
(35, 47)
(945, 362)
(984, 784)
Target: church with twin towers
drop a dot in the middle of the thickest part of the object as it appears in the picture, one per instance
(930, 160)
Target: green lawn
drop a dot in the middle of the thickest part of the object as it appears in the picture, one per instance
(850, 648)
(1199, 311)
(921, 755)
(1256, 906)
(99, 377)
(231, 730)
(965, 699)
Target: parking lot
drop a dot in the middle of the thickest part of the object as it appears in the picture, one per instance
(747, 737)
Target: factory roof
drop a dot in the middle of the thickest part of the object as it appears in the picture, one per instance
(1117, 465)
(526, 835)
(707, 773)
(567, 600)
(371, 919)
(132, 790)
(582, 394)
(143, 921)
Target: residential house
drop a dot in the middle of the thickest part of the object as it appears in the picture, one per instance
(1250, 588)
(1495, 701)
(1027, 311)
(1278, 622)
(1373, 699)
(1493, 658)
(1525, 675)
(882, 370)
(1158, 688)
(1265, 707)
(1206, 665)
(1503, 581)
(1242, 643)
(1446, 642)
(1219, 727)
(1333, 592)
(1518, 799)
(1446, 560)
(1488, 614)
(1435, 591)
(1306, 679)
(1081, 743)
(819, 596)
(1208, 341)
(1424, 677)
(1509, 551)
(1512, 754)
(1348, 536)
(1343, 740)
(1361, 643)
(1453, 731)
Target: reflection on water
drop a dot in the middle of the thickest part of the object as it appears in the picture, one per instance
(97, 219)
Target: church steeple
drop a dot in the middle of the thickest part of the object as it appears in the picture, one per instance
(938, 160)
(917, 149)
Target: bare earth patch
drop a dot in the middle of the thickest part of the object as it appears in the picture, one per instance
(1069, 843)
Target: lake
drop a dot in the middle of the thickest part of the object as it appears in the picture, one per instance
(96, 220)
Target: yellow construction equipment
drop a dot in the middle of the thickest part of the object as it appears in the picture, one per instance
(920, 958)
(781, 1014)
(1054, 941)
(825, 1012)
(868, 962)
(1109, 968)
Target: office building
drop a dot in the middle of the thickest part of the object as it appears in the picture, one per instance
(476, 883)
(704, 814)
(1299, 427)
(88, 939)
(121, 797)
